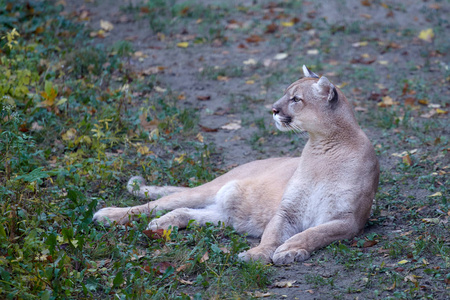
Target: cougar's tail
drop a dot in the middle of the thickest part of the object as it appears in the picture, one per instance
(136, 186)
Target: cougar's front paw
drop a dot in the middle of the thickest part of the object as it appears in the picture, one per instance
(255, 254)
(155, 225)
(285, 255)
(109, 215)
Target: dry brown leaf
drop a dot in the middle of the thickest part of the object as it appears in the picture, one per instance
(225, 250)
(271, 28)
(368, 244)
(364, 59)
(161, 268)
(391, 287)
(407, 160)
(154, 234)
(410, 101)
(204, 258)
(183, 267)
(146, 125)
(208, 129)
(254, 39)
(204, 98)
(434, 6)
(222, 78)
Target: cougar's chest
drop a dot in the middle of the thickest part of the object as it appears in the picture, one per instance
(314, 198)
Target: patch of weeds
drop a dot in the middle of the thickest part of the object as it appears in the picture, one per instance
(346, 255)
(318, 280)
(85, 61)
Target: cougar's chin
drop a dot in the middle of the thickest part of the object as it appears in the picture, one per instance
(283, 124)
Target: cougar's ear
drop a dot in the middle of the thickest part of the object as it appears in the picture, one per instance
(327, 88)
(307, 72)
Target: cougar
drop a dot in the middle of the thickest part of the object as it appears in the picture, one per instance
(295, 204)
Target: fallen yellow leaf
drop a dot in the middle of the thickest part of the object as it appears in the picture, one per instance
(166, 234)
(387, 101)
(342, 85)
(106, 25)
(427, 35)
(250, 82)
(402, 262)
(284, 284)
(180, 158)
(69, 135)
(183, 44)
(360, 44)
(222, 78)
(287, 24)
(438, 194)
(441, 111)
(143, 150)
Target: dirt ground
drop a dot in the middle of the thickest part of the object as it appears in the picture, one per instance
(235, 67)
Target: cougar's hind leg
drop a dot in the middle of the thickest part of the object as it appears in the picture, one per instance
(180, 218)
(136, 186)
(198, 197)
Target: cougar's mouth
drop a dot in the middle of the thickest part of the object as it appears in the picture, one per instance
(282, 123)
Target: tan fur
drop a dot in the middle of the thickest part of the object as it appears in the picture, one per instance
(297, 205)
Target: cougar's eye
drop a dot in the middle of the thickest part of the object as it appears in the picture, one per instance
(296, 99)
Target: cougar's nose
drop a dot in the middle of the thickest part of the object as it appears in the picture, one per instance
(275, 111)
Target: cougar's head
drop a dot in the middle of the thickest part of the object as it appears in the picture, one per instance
(311, 104)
